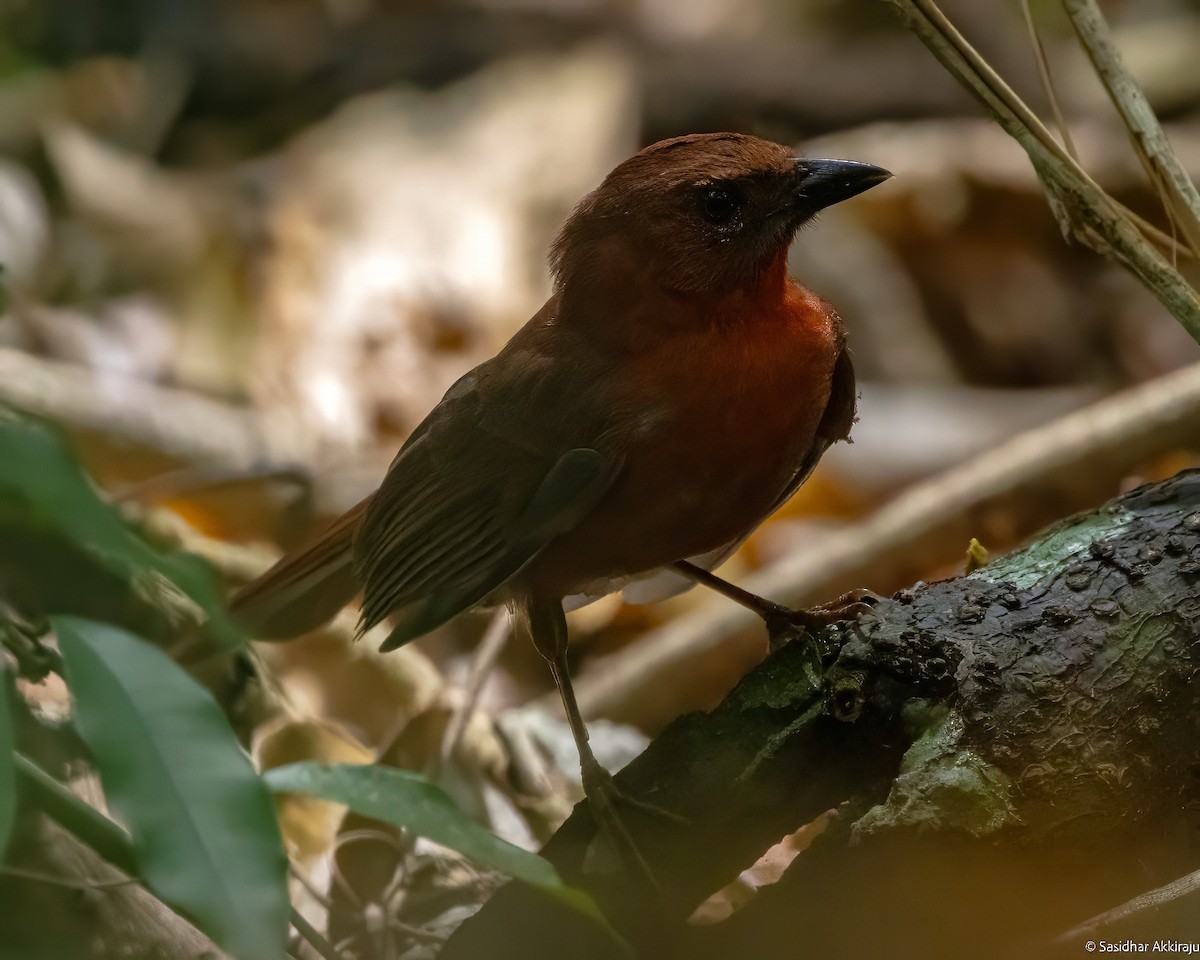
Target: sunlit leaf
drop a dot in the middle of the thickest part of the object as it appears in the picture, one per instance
(203, 824)
(408, 800)
(67, 551)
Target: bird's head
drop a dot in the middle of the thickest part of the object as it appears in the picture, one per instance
(701, 214)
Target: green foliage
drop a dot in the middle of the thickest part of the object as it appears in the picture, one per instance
(202, 831)
(8, 773)
(205, 835)
(409, 800)
(64, 550)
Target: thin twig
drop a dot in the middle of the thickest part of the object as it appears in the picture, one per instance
(302, 879)
(1176, 890)
(490, 647)
(973, 71)
(416, 933)
(68, 882)
(1083, 208)
(86, 824)
(313, 937)
(210, 479)
(1039, 54)
(77, 817)
(1147, 133)
(346, 837)
(110, 840)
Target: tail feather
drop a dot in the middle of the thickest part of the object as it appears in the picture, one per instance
(307, 587)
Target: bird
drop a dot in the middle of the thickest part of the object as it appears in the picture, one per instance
(675, 389)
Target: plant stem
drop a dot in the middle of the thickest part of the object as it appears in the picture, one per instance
(315, 940)
(1084, 210)
(78, 818)
(110, 840)
(1182, 198)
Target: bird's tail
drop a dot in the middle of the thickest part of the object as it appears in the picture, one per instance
(305, 588)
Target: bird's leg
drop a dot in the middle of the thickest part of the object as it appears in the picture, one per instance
(782, 621)
(548, 626)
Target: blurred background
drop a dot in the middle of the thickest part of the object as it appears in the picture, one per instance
(247, 244)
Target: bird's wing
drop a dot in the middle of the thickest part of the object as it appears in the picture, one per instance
(494, 474)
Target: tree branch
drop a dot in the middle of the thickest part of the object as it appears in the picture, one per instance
(1041, 707)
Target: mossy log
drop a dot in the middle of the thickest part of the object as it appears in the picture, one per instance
(1007, 752)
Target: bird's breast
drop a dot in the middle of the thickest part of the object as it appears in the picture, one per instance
(719, 417)
(737, 407)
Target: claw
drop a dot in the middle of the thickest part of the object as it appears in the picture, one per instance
(603, 797)
(603, 783)
(784, 624)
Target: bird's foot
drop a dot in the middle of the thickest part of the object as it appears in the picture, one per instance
(604, 797)
(784, 624)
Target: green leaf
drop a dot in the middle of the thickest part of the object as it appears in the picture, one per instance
(64, 550)
(8, 772)
(408, 800)
(204, 830)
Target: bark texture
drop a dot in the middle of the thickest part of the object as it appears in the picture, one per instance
(1009, 752)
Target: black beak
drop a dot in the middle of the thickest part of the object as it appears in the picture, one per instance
(822, 183)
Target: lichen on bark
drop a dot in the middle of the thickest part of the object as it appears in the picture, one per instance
(943, 785)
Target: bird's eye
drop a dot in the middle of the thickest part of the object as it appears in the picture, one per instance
(718, 205)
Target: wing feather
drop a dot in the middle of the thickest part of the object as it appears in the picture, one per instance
(404, 583)
(491, 492)
(415, 549)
